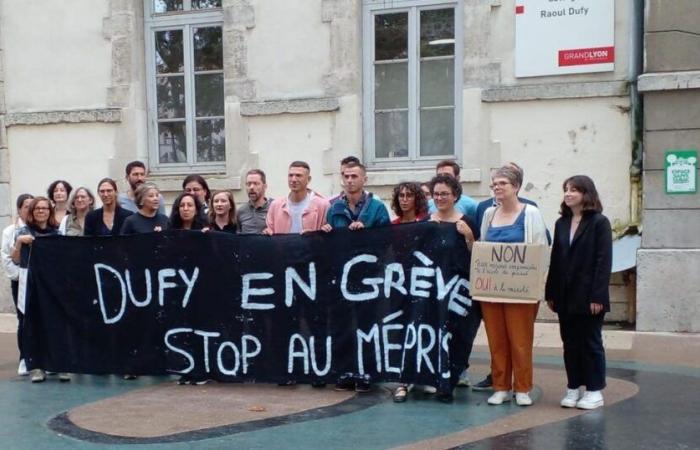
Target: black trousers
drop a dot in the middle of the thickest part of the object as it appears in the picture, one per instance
(14, 285)
(584, 356)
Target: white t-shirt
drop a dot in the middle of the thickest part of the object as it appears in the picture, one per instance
(296, 210)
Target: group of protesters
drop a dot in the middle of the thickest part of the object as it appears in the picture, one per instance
(577, 282)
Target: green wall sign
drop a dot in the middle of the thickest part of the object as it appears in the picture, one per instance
(681, 171)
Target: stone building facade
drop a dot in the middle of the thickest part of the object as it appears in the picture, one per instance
(82, 82)
(668, 296)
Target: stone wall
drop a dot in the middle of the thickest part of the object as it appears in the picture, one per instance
(668, 297)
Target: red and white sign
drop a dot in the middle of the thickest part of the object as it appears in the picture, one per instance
(558, 37)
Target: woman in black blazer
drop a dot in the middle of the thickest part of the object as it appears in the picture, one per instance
(577, 289)
(108, 220)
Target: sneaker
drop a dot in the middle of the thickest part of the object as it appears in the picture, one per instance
(590, 400)
(38, 375)
(570, 399)
(464, 379)
(129, 377)
(523, 399)
(22, 369)
(318, 384)
(63, 377)
(428, 389)
(499, 397)
(287, 383)
(484, 385)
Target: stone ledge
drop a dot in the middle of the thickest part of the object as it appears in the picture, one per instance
(555, 91)
(394, 177)
(103, 115)
(669, 81)
(290, 106)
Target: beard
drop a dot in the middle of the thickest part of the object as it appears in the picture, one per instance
(253, 196)
(135, 184)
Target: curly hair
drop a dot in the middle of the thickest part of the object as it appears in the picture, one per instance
(53, 185)
(421, 205)
(451, 183)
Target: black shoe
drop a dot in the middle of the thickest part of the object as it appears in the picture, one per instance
(129, 377)
(287, 383)
(484, 385)
(318, 384)
(345, 382)
(445, 397)
(363, 386)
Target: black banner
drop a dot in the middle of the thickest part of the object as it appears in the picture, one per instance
(390, 302)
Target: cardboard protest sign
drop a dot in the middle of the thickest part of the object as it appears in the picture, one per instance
(508, 273)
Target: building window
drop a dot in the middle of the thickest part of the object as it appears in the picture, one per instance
(412, 89)
(184, 53)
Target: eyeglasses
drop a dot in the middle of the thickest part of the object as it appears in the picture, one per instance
(442, 194)
(499, 184)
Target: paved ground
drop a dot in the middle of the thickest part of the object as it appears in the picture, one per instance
(653, 390)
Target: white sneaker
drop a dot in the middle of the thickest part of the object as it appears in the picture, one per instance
(499, 397)
(571, 398)
(523, 399)
(428, 389)
(464, 379)
(22, 369)
(590, 400)
(38, 375)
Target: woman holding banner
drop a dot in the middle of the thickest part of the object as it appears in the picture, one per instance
(577, 289)
(446, 191)
(41, 221)
(147, 219)
(187, 213)
(510, 326)
(222, 212)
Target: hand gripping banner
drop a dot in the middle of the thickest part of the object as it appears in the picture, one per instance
(390, 303)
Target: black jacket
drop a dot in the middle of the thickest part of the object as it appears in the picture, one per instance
(93, 221)
(579, 273)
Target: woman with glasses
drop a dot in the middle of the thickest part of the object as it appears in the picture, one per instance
(41, 221)
(510, 326)
(81, 203)
(108, 220)
(197, 186)
(446, 191)
(408, 203)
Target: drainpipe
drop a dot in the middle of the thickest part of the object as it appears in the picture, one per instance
(636, 65)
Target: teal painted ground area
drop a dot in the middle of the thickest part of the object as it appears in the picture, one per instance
(26, 409)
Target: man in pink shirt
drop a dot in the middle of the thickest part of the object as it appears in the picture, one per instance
(303, 210)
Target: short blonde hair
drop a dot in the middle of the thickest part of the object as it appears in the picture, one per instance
(141, 191)
(510, 173)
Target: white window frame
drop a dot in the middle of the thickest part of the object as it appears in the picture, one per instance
(185, 20)
(413, 7)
